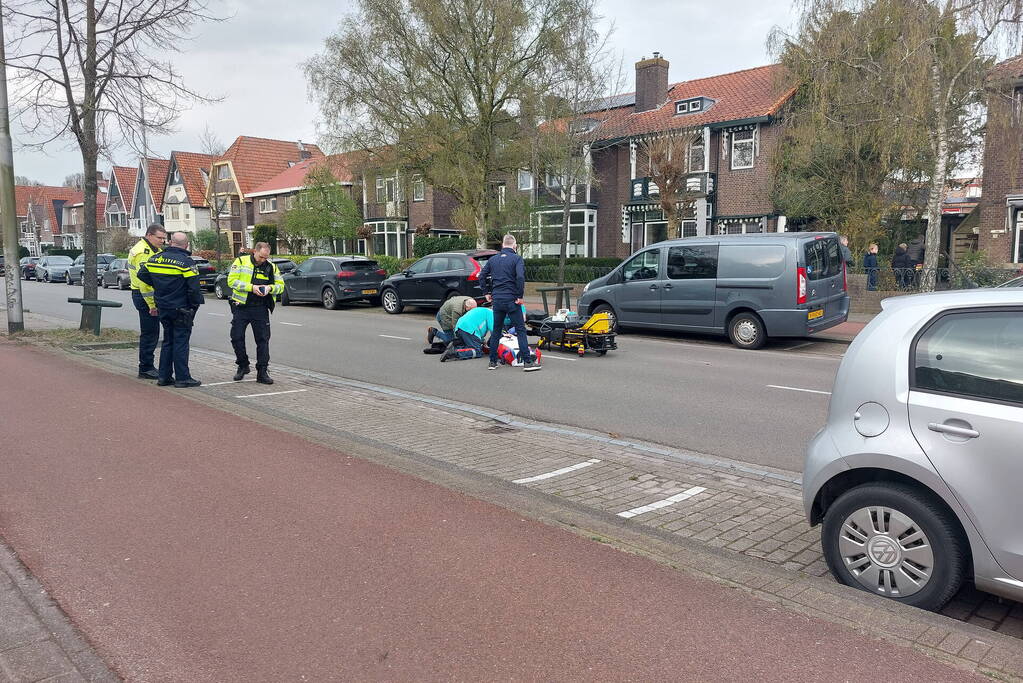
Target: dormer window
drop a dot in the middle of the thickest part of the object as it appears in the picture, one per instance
(692, 106)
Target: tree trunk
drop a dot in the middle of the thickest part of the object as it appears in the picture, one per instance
(932, 242)
(566, 214)
(481, 225)
(90, 152)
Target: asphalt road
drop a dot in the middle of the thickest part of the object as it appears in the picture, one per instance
(234, 552)
(694, 393)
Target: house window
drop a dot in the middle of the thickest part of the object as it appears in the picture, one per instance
(500, 197)
(224, 206)
(173, 213)
(223, 172)
(389, 238)
(545, 234)
(386, 190)
(743, 142)
(1018, 250)
(289, 202)
(552, 181)
(741, 227)
(176, 178)
(697, 157)
(268, 205)
(418, 188)
(525, 180)
(74, 216)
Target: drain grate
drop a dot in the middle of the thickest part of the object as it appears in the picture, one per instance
(498, 429)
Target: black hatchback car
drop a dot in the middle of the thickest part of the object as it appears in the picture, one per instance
(332, 280)
(431, 280)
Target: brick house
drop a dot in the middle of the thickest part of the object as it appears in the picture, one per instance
(40, 214)
(274, 198)
(730, 166)
(1001, 205)
(73, 222)
(248, 163)
(185, 206)
(120, 196)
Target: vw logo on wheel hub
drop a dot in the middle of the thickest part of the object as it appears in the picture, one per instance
(884, 551)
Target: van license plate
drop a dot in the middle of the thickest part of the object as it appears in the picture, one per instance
(813, 315)
(369, 291)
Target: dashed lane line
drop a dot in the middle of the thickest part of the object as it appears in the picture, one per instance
(556, 473)
(677, 498)
(391, 336)
(292, 324)
(808, 391)
(272, 393)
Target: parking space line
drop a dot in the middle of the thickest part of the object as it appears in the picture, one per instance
(293, 324)
(391, 336)
(217, 384)
(677, 498)
(555, 473)
(272, 393)
(808, 391)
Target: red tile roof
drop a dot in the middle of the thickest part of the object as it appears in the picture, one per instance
(341, 165)
(126, 177)
(188, 164)
(1009, 69)
(42, 195)
(739, 95)
(257, 160)
(157, 177)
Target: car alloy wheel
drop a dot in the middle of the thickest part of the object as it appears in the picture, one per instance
(329, 299)
(218, 291)
(391, 301)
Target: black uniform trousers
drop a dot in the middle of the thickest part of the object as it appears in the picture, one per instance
(177, 333)
(259, 318)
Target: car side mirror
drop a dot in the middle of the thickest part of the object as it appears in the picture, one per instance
(407, 273)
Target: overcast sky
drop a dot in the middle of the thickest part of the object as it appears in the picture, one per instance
(253, 61)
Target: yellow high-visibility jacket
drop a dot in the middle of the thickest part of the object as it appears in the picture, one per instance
(244, 274)
(138, 255)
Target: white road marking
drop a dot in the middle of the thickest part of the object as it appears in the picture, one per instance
(272, 393)
(677, 498)
(555, 473)
(391, 336)
(219, 315)
(551, 355)
(216, 384)
(808, 391)
(293, 324)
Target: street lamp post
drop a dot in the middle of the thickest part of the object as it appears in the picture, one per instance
(8, 211)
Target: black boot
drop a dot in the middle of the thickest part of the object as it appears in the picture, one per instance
(263, 377)
(240, 375)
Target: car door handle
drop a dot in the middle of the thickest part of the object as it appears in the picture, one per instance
(653, 286)
(667, 286)
(952, 429)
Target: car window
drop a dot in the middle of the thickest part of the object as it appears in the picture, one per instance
(483, 258)
(823, 258)
(975, 354)
(324, 266)
(80, 260)
(442, 264)
(642, 266)
(360, 266)
(60, 261)
(693, 263)
(421, 266)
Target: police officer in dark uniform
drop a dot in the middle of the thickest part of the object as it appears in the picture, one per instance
(175, 280)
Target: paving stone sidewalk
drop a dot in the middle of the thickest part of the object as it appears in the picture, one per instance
(735, 508)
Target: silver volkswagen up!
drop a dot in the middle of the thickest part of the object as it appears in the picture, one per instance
(918, 472)
(749, 287)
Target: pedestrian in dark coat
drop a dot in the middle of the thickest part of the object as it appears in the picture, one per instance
(870, 267)
(901, 267)
(504, 282)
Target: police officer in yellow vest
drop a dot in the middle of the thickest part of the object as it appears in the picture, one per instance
(254, 281)
(142, 298)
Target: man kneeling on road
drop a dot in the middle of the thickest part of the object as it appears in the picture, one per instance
(470, 331)
(254, 281)
(504, 278)
(447, 317)
(175, 281)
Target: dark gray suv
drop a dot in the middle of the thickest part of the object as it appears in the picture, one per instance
(749, 287)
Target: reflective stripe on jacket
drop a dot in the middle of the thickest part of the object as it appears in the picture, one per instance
(138, 255)
(239, 279)
(173, 275)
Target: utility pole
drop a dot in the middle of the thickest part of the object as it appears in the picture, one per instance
(8, 211)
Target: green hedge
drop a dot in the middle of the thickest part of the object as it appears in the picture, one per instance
(73, 253)
(393, 264)
(577, 270)
(424, 246)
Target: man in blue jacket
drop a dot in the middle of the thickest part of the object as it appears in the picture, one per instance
(504, 282)
(173, 276)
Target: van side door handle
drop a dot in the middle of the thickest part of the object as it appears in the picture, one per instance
(653, 286)
(953, 430)
(668, 286)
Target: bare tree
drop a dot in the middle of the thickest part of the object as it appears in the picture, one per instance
(670, 156)
(92, 72)
(442, 83)
(210, 144)
(25, 181)
(75, 180)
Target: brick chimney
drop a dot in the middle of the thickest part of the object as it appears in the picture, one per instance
(651, 82)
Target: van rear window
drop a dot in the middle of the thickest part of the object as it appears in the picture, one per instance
(823, 258)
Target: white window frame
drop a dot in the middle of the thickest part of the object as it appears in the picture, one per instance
(501, 196)
(1017, 233)
(268, 205)
(386, 190)
(172, 212)
(418, 189)
(689, 157)
(223, 172)
(696, 105)
(553, 182)
(752, 142)
(526, 176)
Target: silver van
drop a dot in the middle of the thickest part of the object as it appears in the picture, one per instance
(916, 476)
(749, 287)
